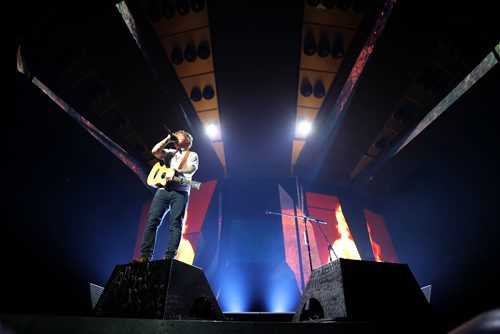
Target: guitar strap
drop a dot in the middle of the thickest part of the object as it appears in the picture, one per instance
(183, 162)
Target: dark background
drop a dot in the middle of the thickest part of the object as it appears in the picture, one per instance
(70, 209)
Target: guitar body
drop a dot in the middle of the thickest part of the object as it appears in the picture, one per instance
(160, 175)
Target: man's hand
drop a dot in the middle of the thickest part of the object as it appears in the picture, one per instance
(157, 150)
(176, 172)
(171, 138)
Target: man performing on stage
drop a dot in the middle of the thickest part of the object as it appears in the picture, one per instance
(173, 197)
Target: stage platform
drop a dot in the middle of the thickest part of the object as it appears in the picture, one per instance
(28, 324)
(174, 297)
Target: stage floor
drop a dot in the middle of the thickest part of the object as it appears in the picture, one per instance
(20, 324)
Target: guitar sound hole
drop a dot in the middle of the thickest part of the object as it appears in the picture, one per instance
(163, 175)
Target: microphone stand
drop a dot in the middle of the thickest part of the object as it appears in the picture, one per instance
(330, 247)
(305, 219)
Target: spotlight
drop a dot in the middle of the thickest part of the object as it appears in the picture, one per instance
(208, 92)
(338, 47)
(344, 5)
(313, 3)
(429, 80)
(309, 44)
(195, 94)
(306, 88)
(422, 79)
(359, 6)
(183, 7)
(328, 4)
(319, 89)
(167, 9)
(432, 80)
(119, 122)
(212, 131)
(381, 143)
(323, 45)
(190, 52)
(140, 148)
(176, 56)
(93, 92)
(403, 114)
(304, 128)
(154, 13)
(203, 50)
(197, 5)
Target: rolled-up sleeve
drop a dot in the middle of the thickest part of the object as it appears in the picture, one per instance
(193, 162)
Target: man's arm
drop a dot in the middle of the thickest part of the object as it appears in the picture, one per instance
(188, 170)
(158, 151)
(192, 164)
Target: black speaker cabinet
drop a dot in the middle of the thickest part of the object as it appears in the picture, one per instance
(166, 289)
(355, 290)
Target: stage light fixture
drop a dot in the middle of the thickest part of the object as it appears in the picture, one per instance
(323, 45)
(208, 92)
(197, 5)
(313, 3)
(381, 143)
(203, 50)
(338, 47)
(306, 88)
(212, 131)
(422, 79)
(319, 89)
(183, 7)
(195, 94)
(167, 9)
(190, 52)
(344, 5)
(153, 10)
(140, 148)
(176, 55)
(309, 44)
(93, 93)
(119, 122)
(328, 4)
(359, 6)
(431, 80)
(304, 128)
(403, 114)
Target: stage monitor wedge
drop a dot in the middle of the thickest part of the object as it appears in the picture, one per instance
(355, 290)
(165, 289)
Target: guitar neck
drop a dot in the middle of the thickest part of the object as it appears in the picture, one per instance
(183, 180)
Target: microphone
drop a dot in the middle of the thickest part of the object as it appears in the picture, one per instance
(172, 136)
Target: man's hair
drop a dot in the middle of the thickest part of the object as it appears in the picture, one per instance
(188, 137)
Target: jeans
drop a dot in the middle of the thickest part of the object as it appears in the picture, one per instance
(165, 200)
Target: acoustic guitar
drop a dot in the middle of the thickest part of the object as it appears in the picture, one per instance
(160, 175)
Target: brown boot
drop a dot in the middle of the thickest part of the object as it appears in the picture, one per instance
(140, 260)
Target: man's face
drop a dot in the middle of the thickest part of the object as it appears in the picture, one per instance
(183, 142)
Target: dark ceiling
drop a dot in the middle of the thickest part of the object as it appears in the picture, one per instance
(85, 53)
